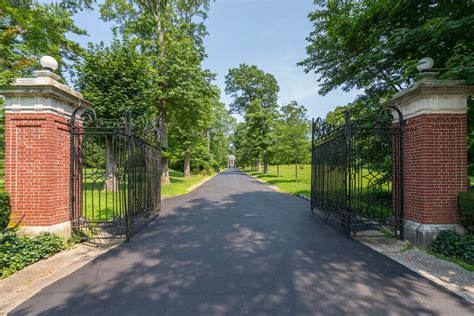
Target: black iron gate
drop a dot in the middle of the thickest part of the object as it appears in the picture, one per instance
(115, 176)
(356, 177)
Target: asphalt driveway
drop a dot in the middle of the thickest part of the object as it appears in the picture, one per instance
(235, 247)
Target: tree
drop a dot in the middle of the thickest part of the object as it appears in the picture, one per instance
(247, 84)
(293, 134)
(116, 79)
(241, 145)
(255, 94)
(192, 116)
(160, 27)
(219, 133)
(259, 132)
(374, 45)
(29, 30)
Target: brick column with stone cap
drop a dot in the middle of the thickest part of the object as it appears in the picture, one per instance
(37, 153)
(434, 155)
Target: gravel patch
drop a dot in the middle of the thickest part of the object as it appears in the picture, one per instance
(444, 273)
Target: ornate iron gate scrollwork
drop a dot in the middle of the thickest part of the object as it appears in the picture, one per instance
(115, 175)
(357, 173)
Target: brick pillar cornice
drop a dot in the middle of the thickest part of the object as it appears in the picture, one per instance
(42, 94)
(432, 96)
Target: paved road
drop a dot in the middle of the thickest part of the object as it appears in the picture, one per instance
(234, 247)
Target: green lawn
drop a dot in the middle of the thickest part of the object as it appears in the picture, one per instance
(103, 206)
(375, 204)
(286, 181)
(179, 184)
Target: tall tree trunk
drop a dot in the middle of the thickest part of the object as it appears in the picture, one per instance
(265, 167)
(160, 7)
(187, 164)
(296, 170)
(259, 165)
(111, 181)
(165, 177)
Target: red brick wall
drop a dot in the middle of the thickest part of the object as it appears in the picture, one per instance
(37, 168)
(434, 167)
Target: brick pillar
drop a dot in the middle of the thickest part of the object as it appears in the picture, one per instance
(37, 152)
(434, 156)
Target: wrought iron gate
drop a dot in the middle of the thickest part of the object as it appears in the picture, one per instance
(357, 169)
(114, 177)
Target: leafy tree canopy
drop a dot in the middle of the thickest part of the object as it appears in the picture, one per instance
(246, 84)
(29, 30)
(116, 78)
(375, 45)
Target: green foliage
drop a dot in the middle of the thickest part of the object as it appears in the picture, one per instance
(116, 78)
(255, 95)
(246, 84)
(292, 130)
(452, 244)
(16, 252)
(466, 209)
(194, 128)
(220, 133)
(5, 210)
(28, 30)
(374, 46)
(170, 33)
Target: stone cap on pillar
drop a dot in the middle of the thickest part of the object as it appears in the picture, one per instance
(42, 94)
(431, 96)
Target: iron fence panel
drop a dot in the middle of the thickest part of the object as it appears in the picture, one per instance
(356, 177)
(115, 176)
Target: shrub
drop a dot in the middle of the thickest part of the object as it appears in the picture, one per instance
(466, 209)
(452, 244)
(16, 252)
(4, 210)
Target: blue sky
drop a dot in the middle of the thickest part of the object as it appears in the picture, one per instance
(267, 33)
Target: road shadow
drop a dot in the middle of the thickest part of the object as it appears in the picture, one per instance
(250, 252)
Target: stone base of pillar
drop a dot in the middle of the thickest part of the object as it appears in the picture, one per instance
(422, 235)
(61, 229)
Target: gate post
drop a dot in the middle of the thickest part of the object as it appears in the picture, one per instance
(37, 151)
(434, 155)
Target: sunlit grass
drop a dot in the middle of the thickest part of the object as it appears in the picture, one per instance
(179, 184)
(97, 203)
(369, 200)
(100, 205)
(286, 180)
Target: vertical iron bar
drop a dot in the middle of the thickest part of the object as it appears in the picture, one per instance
(72, 171)
(312, 166)
(400, 175)
(347, 136)
(128, 131)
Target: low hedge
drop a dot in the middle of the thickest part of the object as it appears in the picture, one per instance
(466, 209)
(16, 252)
(4, 210)
(451, 244)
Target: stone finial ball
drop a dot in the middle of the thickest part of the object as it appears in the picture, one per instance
(48, 62)
(425, 64)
